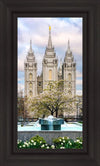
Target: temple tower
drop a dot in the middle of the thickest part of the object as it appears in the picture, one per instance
(50, 63)
(30, 68)
(69, 72)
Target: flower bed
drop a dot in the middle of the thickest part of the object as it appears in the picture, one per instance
(38, 142)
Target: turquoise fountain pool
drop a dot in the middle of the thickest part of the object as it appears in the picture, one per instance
(35, 126)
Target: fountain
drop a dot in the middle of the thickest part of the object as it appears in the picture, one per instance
(49, 128)
(51, 123)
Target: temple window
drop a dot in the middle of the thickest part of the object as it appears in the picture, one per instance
(30, 93)
(50, 74)
(30, 76)
(69, 77)
(39, 84)
(30, 85)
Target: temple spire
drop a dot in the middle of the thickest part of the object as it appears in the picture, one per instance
(30, 45)
(68, 47)
(30, 52)
(68, 44)
(49, 41)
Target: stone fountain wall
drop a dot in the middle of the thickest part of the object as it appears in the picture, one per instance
(48, 135)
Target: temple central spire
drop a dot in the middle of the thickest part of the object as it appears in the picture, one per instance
(49, 41)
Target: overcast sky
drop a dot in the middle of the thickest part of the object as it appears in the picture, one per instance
(37, 29)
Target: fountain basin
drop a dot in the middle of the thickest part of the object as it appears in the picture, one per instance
(48, 135)
(71, 130)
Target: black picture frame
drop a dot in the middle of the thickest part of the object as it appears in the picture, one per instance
(9, 11)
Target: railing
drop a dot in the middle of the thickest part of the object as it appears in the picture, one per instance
(27, 119)
(67, 119)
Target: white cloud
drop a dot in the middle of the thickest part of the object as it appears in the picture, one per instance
(62, 30)
(59, 40)
(20, 87)
(78, 74)
(22, 56)
(78, 82)
(21, 64)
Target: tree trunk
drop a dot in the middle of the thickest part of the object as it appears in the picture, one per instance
(56, 113)
(52, 113)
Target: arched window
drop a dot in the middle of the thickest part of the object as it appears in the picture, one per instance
(30, 76)
(69, 77)
(30, 93)
(69, 86)
(30, 85)
(39, 83)
(50, 74)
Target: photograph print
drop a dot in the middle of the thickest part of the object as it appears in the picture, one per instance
(50, 76)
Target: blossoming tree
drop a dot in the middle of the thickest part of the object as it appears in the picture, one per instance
(52, 101)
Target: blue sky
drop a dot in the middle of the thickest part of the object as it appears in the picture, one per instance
(37, 30)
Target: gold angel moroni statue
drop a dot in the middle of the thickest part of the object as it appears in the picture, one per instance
(49, 27)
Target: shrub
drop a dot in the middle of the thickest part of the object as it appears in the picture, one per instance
(34, 143)
(20, 144)
(66, 143)
(38, 142)
(78, 143)
(38, 139)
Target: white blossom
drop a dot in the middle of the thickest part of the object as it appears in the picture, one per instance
(42, 146)
(34, 143)
(62, 147)
(80, 142)
(77, 140)
(52, 146)
(18, 141)
(26, 143)
(32, 140)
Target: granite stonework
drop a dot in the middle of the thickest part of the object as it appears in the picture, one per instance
(51, 71)
(48, 135)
